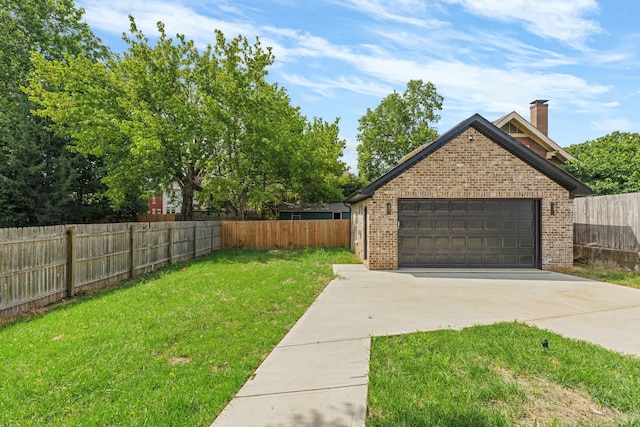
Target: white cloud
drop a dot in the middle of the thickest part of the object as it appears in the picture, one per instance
(328, 87)
(475, 70)
(562, 20)
(399, 11)
(112, 17)
(350, 154)
(617, 124)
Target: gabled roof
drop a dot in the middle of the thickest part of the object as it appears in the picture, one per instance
(489, 130)
(534, 133)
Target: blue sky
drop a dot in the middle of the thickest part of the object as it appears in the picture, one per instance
(336, 58)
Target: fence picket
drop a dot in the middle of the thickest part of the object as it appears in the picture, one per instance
(284, 234)
(41, 265)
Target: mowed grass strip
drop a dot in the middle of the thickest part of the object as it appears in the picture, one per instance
(170, 349)
(500, 375)
(616, 276)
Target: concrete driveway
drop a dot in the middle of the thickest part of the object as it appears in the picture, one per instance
(317, 375)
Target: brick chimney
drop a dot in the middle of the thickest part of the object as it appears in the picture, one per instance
(540, 115)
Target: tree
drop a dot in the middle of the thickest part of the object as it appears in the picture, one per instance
(170, 113)
(609, 164)
(401, 123)
(350, 183)
(39, 177)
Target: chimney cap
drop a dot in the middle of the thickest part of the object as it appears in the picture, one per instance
(539, 102)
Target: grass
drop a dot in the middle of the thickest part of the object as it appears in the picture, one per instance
(604, 274)
(500, 375)
(170, 349)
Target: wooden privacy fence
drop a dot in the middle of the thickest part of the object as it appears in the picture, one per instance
(606, 229)
(285, 234)
(41, 265)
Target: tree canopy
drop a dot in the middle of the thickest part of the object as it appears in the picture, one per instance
(41, 182)
(400, 124)
(609, 164)
(207, 120)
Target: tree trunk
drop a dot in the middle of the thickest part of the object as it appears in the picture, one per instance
(230, 208)
(187, 203)
(242, 209)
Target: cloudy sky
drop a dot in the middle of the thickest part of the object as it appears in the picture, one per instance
(336, 58)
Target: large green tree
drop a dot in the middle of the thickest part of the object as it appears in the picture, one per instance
(401, 123)
(170, 113)
(41, 182)
(609, 164)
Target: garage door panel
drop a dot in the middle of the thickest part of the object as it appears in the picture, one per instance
(424, 258)
(510, 225)
(442, 242)
(407, 207)
(525, 224)
(476, 224)
(475, 243)
(491, 259)
(492, 242)
(458, 242)
(468, 232)
(458, 207)
(408, 224)
(442, 224)
(525, 242)
(492, 206)
(510, 242)
(458, 224)
(425, 206)
(408, 244)
(526, 259)
(408, 260)
(442, 259)
(476, 259)
(426, 243)
(425, 224)
(458, 259)
(441, 206)
(509, 259)
(492, 224)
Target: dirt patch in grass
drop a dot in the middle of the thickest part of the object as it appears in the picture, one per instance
(548, 403)
(179, 360)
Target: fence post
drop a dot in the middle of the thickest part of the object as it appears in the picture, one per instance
(71, 259)
(195, 240)
(170, 243)
(213, 228)
(132, 251)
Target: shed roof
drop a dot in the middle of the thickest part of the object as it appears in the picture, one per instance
(313, 207)
(492, 132)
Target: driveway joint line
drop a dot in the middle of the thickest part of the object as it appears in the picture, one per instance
(324, 342)
(584, 313)
(278, 393)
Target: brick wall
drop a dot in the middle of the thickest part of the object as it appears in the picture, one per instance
(536, 148)
(463, 169)
(358, 237)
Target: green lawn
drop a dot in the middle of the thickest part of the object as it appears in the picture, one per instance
(170, 349)
(603, 274)
(500, 375)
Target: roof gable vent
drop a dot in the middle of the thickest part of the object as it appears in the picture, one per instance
(510, 129)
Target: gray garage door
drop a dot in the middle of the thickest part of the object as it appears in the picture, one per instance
(468, 233)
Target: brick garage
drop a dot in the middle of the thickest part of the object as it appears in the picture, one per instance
(475, 197)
